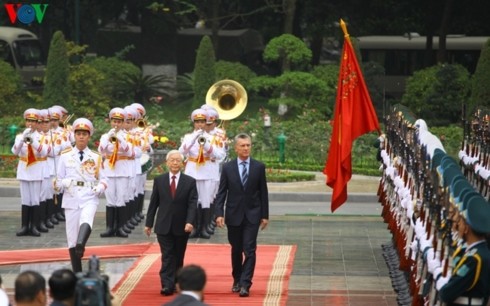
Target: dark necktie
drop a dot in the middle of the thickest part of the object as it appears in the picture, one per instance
(244, 173)
(172, 186)
(81, 155)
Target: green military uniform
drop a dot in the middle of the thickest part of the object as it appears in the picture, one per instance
(469, 283)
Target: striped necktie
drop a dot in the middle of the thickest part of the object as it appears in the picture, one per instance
(244, 173)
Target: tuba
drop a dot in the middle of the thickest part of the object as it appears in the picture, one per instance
(228, 97)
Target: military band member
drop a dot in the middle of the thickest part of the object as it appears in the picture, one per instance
(117, 153)
(82, 181)
(200, 153)
(218, 138)
(46, 185)
(59, 141)
(31, 152)
(129, 127)
(145, 134)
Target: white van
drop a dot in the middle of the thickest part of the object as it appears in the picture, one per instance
(22, 49)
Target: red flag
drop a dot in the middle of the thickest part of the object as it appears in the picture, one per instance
(354, 116)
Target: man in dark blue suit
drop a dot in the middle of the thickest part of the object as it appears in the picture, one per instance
(243, 187)
(175, 196)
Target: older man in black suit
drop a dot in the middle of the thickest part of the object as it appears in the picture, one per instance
(175, 196)
(243, 187)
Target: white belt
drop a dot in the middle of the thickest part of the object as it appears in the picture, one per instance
(464, 300)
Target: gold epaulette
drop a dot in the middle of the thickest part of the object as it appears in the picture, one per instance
(66, 150)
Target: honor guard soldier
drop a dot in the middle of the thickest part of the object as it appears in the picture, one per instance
(218, 138)
(469, 282)
(81, 179)
(47, 184)
(145, 134)
(30, 172)
(60, 141)
(129, 127)
(117, 153)
(200, 152)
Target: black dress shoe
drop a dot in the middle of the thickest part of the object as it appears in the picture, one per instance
(235, 288)
(166, 291)
(244, 292)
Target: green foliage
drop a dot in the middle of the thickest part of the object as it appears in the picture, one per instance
(89, 98)
(480, 92)
(56, 84)
(11, 96)
(113, 69)
(451, 137)
(204, 75)
(233, 71)
(295, 89)
(436, 93)
(290, 51)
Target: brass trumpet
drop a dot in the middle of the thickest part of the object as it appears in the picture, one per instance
(28, 137)
(64, 123)
(201, 140)
(112, 137)
(142, 123)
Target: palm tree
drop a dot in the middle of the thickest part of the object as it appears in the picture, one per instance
(144, 87)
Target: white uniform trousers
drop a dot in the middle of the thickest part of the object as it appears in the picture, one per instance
(205, 192)
(76, 217)
(47, 189)
(117, 189)
(29, 192)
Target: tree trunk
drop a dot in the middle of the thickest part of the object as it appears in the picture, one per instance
(446, 18)
(289, 9)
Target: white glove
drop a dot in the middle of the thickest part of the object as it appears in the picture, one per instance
(433, 263)
(111, 133)
(461, 154)
(437, 272)
(66, 183)
(419, 230)
(26, 131)
(442, 281)
(98, 190)
(414, 246)
(425, 243)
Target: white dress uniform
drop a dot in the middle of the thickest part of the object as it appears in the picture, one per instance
(79, 178)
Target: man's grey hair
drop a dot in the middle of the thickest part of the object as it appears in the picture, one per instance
(172, 152)
(242, 136)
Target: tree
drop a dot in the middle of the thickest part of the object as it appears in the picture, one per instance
(436, 93)
(56, 85)
(204, 75)
(11, 89)
(290, 51)
(480, 93)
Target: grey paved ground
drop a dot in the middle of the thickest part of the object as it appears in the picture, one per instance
(338, 259)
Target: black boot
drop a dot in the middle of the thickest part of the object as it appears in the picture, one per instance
(211, 224)
(76, 262)
(122, 230)
(34, 220)
(83, 234)
(49, 213)
(141, 205)
(24, 230)
(59, 214)
(196, 223)
(132, 212)
(204, 223)
(41, 227)
(110, 222)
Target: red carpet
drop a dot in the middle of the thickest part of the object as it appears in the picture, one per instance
(141, 284)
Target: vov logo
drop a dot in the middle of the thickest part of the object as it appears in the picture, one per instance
(26, 13)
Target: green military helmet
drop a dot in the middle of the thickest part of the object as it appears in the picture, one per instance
(458, 185)
(477, 214)
(449, 173)
(454, 182)
(465, 199)
(447, 161)
(436, 158)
